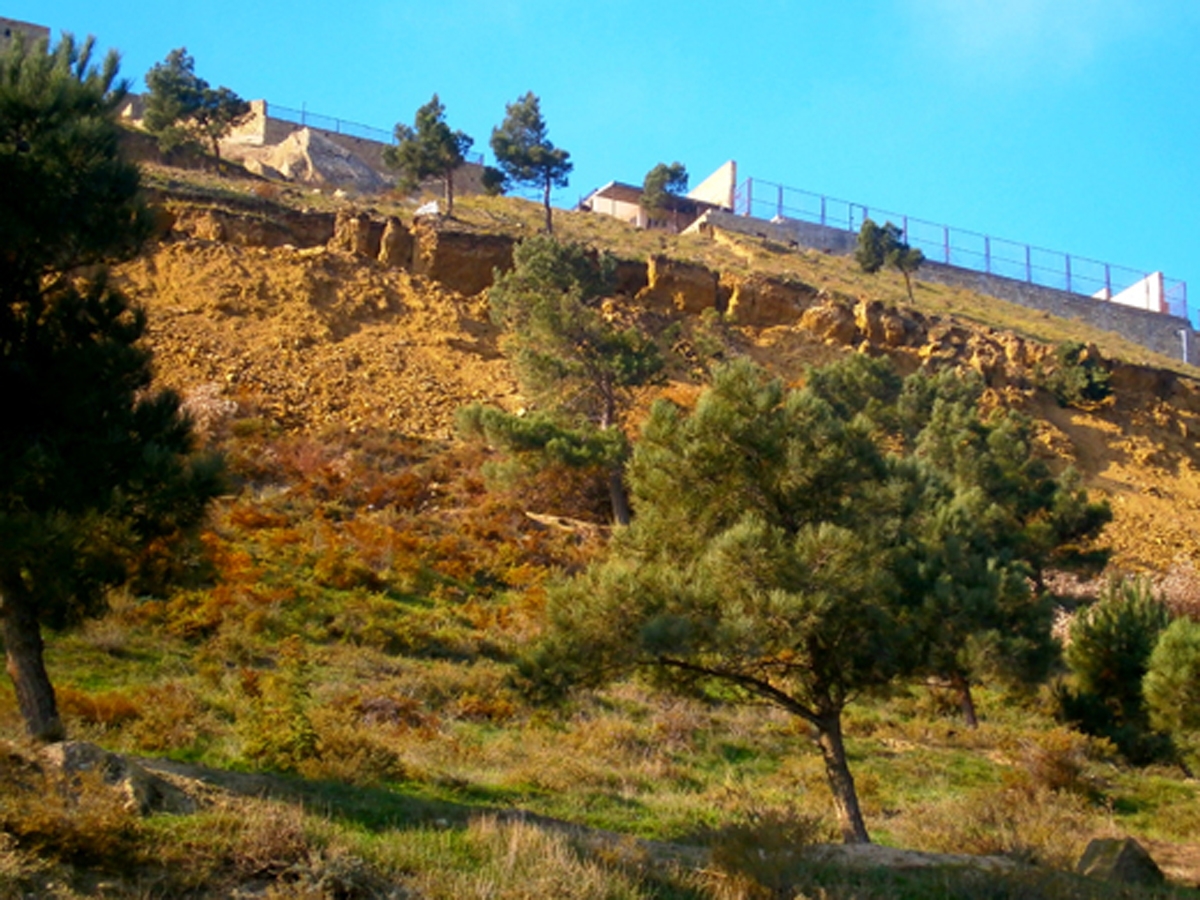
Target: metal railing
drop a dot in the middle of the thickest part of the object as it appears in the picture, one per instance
(342, 126)
(959, 247)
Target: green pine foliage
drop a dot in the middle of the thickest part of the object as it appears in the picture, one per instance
(992, 518)
(428, 149)
(1078, 378)
(1109, 654)
(575, 366)
(878, 247)
(661, 185)
(93, 463)
(183, 110)
(742, 573)
(1172, 686)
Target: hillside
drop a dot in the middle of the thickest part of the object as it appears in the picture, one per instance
(313, 338)
(327, 675)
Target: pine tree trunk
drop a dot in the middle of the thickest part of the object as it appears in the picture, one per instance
(908, 284)
(546, 203)
(841, 783)
(965, 700)
(618, 497)
(216, 145)
(23, 651)
(616, 482)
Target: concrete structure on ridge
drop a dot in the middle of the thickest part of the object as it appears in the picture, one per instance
(10, 28)
(624, 201)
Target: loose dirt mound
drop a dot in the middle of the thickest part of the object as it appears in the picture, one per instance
(312, 339)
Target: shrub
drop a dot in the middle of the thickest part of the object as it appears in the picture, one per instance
(108, 709)
(1078, 377)
(1172, 685)
(274, 726)
(761, 847)
(1110, 648)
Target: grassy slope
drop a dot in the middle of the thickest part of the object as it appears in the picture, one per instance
(351, 625)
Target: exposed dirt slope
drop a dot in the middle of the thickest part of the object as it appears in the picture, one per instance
(311, 338)
(314, 338)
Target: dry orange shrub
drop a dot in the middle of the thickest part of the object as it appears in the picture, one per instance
(107, 708)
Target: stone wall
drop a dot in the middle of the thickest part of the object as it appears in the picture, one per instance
(1159, 332)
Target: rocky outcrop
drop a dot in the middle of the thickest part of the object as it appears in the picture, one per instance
(461, 261)
(356, 234)
(684, 287)
(763, 302)
(247, 229)
(832, 321)
(632, 277)
(887, 327)
(396, 244)
(1125, 377)
(309, 156)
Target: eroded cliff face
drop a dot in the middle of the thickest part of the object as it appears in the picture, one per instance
(354, 323)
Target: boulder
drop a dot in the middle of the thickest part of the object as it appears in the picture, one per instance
(1122, 860)
(143, 792)
(832, 321)
(887, 327)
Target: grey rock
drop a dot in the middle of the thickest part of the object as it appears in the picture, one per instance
(144, 792)
(1122, 860)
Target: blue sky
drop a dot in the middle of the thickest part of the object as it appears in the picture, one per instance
(1068, 124)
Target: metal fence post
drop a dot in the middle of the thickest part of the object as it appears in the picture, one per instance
(749, 196)
(1108, 285)
(946, 242)
(1028, 266)
(987, 254)
(779, 203)
(1067, 257)
(822, 209)
(906, 229)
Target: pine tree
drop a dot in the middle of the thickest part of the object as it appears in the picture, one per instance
(93, 462)
(575, 366)
(1171, 687)
(990, 521)
(429, 149)
(744, 566)
(525, 154)
(182, 110)
(879, 247)
(661, 185)
(1109, 654)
